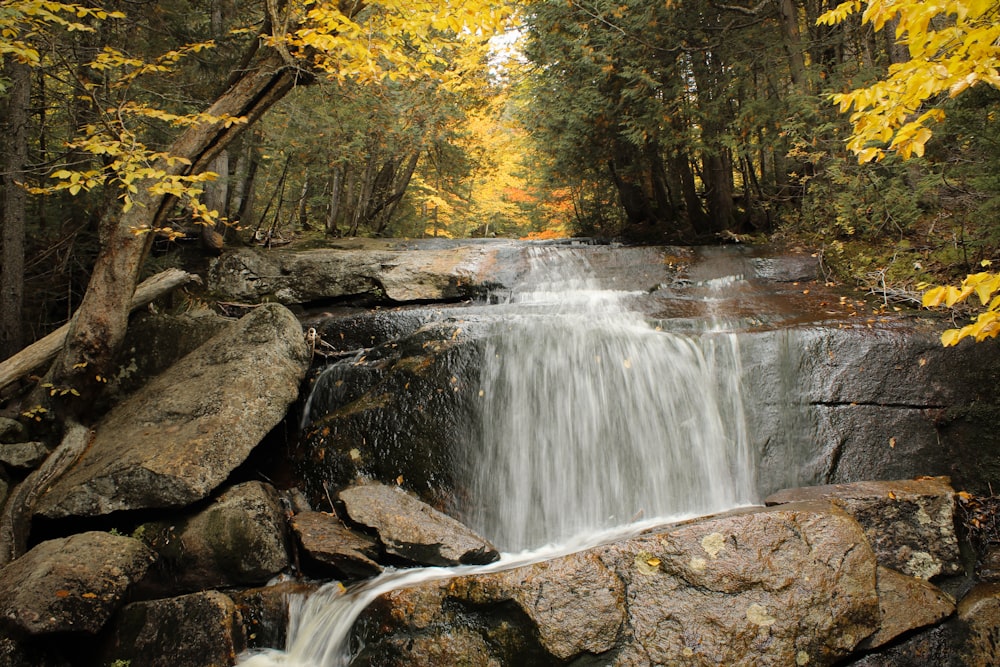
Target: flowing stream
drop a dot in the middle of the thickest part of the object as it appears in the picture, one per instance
(596, 421)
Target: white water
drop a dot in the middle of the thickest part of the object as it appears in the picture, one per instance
(591, 420)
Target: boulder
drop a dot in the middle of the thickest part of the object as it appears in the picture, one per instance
(11, 430)
(265, 611)
(412, 529)
(909, 523)
(70, 584)
(905, 604)
(381, 271)
(398, 415)
(37, 654)
(155, 341)
(197, 630)
(979, 610)
(178, 438)
(239, 540)
(326, 540)
(792, 585)
(23, 456)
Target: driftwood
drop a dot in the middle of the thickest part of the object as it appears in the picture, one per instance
(44, 350)
(15, 520)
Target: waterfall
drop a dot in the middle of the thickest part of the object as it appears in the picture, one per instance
(591, 418)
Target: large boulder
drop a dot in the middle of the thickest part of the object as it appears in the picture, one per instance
(794, 585)
(412, 529)
(184, 432)
(70, 584)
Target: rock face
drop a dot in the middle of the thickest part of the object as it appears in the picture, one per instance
(401, 412)
(70, 584)
(910, 523)
(887, 402)
(181, 435)
(396, 271)
(413, 530)
(794, 585)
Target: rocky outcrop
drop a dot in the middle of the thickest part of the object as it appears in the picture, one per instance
(412, 530)
(783, 586)
(393, 271)
(184, 432)
(70, 584)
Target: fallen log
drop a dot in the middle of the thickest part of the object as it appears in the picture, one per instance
(44, 350)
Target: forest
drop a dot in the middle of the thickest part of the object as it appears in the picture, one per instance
(133, 131)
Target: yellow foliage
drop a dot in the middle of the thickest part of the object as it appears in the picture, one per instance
(953, 45)
(986, 286)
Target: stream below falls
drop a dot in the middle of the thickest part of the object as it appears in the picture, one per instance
(610, 398)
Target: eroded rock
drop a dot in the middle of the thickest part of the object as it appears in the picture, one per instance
(70, 584)
(980, 611)
(412, 529)
(181, 435)
(909, 523)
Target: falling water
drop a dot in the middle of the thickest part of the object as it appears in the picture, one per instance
(590, 418)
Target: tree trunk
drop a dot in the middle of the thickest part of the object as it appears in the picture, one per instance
(15, 157)
(333, 201)
(43, 351)
(99, 326)
(793, 43)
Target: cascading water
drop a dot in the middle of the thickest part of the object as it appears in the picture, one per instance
(590, 418)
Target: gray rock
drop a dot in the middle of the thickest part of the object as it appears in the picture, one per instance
(793, 585)
(23, 456)
(909, 523)
(36, 654)
(327, 540)
(382, 271)
(412, 529)
(178, 438)
(70, 584)
(11, 430)
(197, 630)
(980, 611)
(240, 539)
(155, 341)
(906, 603)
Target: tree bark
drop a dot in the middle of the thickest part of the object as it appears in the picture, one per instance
(15, 521)
(15, 157)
